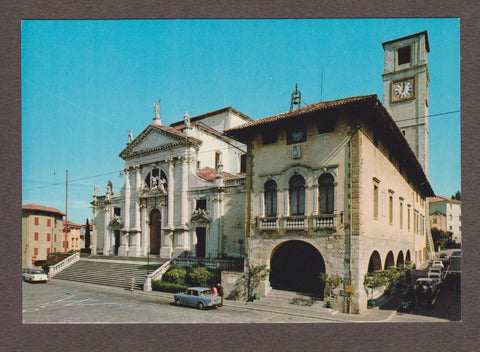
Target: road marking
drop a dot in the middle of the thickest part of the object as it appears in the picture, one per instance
(267, 318)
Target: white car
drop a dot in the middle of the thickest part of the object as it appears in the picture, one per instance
(435, 276)
(438, 263)
(34, 275)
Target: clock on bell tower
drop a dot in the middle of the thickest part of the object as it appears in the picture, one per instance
(405, 90)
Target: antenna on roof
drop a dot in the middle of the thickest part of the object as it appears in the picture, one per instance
(296, 98)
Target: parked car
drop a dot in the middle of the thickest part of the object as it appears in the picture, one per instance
(34, 275)
(200, 297)
(438, 263)
(456, 254)
(436, 269)
(436, 276)
(444, 258)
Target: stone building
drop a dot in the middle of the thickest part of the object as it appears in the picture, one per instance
(42, 233)
(183, 192)
(332, 187)
(451, 211)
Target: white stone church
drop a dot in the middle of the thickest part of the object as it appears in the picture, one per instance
(336, 187)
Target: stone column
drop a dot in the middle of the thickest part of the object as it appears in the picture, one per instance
(184, 187)
(138, 187)
(123, 249)
(106, 233)
(171, 185)
(315, 200)
(286, 208)
(143, 217)
(134, 245)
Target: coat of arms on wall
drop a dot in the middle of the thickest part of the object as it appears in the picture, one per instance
(296, 152)
(200, 216)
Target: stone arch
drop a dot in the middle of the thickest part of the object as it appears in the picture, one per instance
(158, 174)
(407, 256)
(400, 260)
(375, 263)
(295, 266)
(389, 260)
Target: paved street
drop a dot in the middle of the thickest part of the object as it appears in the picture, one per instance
(69, 302)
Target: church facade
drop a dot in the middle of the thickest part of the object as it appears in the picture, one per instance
(183, 192)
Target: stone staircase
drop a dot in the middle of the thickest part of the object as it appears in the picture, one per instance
(293, 300)
(108, 272)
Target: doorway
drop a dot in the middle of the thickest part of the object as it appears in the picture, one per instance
(117, 241)
(295, 266)
(201, 233)
(155, 231)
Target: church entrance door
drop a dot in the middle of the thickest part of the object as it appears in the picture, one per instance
(155, 231)
(201, 241)
(295, 266)
(117, 241)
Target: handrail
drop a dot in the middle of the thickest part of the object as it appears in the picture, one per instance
(60, 266)
(156, 275)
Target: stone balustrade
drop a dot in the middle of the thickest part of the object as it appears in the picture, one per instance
(55, 269)
(305, 223)
(156, 275)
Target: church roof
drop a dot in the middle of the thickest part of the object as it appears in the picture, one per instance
(177, 138)
(367, 108)
(212, 113)
(209, 174)
(41, 208)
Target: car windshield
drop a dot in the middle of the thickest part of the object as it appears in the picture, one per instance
(37, 271)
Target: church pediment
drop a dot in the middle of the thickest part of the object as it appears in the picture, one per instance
(157, 138)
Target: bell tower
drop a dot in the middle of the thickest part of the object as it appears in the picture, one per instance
(405, 90)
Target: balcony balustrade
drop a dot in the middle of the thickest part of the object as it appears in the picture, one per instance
(301, 223)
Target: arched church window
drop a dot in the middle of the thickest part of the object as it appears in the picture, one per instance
(153, 178)
(297, 195)
(326, 194)
(270, 189)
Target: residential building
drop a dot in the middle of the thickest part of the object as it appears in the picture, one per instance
(73, 236)
(42, 233)
(438, 221)
(451, 210)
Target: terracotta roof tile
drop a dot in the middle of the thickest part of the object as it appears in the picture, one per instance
(323, 105)
(442, 199)
(36, 207)
(208, 173)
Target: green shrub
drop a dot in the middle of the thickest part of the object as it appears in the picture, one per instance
(158, 285)
(199, 276)
(176, 274)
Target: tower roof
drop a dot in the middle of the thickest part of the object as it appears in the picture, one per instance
(427, 45)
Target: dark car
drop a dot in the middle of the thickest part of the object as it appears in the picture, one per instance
(200, 297)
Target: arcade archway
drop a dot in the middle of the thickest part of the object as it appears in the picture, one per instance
(295, 266)
(390, 260)
(375, 263)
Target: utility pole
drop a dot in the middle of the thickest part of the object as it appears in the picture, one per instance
(65, 244)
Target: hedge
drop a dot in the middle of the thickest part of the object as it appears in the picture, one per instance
(158, 285)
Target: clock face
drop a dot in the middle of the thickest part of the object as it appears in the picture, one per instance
(403, 89)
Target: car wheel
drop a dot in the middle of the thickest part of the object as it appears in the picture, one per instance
(178, 303)
(200, 306)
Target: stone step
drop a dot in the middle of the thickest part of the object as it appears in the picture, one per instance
(107, 273)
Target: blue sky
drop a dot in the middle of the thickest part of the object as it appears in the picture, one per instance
(86, 83)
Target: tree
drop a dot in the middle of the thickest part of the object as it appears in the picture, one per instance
(331, 282)
(457, 196)
(441, 239)
(87, 237)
